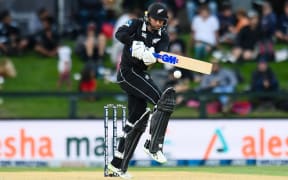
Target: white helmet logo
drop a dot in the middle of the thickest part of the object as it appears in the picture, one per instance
(159, 11)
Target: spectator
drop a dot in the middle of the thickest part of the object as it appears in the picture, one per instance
(91, 11)
(91, 47)
(231, 29)
(247, 40)
(64, 66)
(277, 6)
(267, 27)
(192, 5)
(88, 82)
(268, 21)
(282, 27)
(242, 21)
(226, 21)
(221, 80)
(263, 80)
(35, 24)
(10, 35)
(204, 33)
(46, 41)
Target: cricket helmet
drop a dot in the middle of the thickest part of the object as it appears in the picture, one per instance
(158, 11)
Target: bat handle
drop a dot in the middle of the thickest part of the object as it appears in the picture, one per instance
(156, 55)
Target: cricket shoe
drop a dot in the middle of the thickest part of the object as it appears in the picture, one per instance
(158, 156)
(119, 172)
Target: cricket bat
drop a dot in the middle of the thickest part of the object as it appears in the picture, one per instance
(184, 62)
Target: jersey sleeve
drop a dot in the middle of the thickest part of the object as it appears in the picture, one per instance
(126, 32)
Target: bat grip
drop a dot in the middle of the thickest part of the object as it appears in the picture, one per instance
(156, 55)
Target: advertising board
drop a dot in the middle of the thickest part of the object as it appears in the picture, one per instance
(81, 142)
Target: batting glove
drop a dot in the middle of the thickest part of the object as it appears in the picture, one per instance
(138, 49)
(148, 57)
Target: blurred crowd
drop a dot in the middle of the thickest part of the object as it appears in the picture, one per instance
(220, 31)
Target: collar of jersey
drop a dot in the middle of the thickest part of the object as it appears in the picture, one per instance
(144, 28)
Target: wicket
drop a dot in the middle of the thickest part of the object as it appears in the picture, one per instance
(114, 108)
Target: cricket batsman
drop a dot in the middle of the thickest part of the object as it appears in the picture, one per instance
(142, 38)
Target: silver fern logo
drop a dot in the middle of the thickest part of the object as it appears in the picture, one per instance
(159, 11)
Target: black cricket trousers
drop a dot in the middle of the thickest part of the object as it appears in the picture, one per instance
(140, 89)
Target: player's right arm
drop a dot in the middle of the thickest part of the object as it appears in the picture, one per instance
(126, 33)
